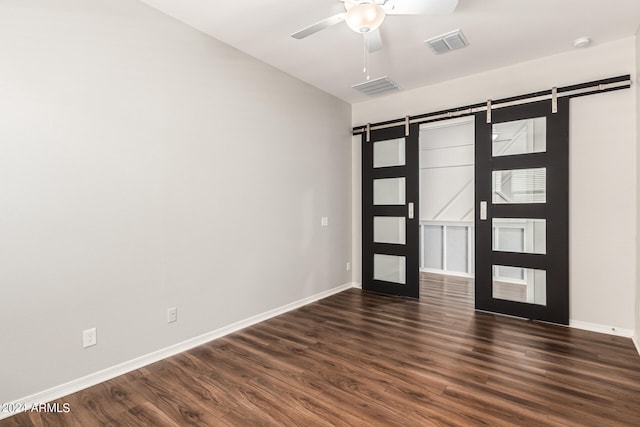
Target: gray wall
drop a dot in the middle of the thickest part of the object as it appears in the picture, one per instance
(144, 165)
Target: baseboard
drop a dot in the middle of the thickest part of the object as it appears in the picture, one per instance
(604, 329)
(636, 341)
(74, 386)
(356, 285)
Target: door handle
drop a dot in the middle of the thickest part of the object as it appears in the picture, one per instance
(410, 210)
(483, 210)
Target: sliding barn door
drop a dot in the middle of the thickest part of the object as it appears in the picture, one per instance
(390, 239)
(522, 211)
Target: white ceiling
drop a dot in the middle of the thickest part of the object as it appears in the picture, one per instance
(500, 33)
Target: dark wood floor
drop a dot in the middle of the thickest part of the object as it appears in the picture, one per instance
(362, 359)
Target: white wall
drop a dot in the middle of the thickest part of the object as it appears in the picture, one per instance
(637, 86)
(602, 203)
(144, 165)
(603, 166)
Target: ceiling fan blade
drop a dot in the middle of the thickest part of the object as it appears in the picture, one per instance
(374, 39)
(420, 7)
(325, 23)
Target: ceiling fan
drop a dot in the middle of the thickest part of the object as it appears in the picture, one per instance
(366, 16)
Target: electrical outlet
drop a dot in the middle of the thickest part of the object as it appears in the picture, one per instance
(172, 314)
(348, 266)
(89, 337)
(324, 221)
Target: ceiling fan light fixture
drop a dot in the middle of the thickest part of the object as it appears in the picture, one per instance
(365, 17)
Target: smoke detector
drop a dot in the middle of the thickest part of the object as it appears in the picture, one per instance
(581, 42)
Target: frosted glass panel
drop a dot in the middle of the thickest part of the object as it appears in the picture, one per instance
(389, 191)
(389, 268)
(520, 186)
(506, 272)
(389, 229)
(457, 250)
(520, 137)
(522, 235)
(433, 247)
(388, 153)
(530, 287)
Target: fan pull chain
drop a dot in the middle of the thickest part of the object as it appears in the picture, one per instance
(365, 69)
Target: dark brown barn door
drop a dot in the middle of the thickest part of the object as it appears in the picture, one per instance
(522, 211)
(390, 188)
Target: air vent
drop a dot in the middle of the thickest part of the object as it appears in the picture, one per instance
(376, 87)
(447, 42)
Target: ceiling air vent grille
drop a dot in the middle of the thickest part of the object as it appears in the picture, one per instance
(447, 42)
(376, 86)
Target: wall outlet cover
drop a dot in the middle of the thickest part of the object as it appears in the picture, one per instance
(89, 337)
(172, 314)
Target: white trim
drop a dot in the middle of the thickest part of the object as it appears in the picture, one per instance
(448, 273)
(604, 329)
(90, 380)
(356, 285)
(421, 230)
(448, 123)
(510, 280)
(444, 247)
(447, 223)
(471, 250)
(585, 326)
(636, 341)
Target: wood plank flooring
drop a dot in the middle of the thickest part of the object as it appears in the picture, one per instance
(361, 359)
